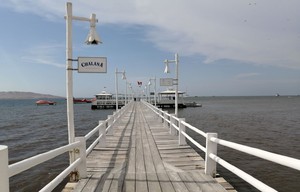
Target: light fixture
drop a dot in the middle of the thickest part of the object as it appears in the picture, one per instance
(167, 69)
(123, 75)
(93, 38)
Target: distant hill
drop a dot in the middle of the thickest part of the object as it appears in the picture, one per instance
(24, 95)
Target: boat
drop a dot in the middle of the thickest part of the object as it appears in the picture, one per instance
(166, 99)
(45, 102)
(81, 101)
(106, 100)
(193, 104)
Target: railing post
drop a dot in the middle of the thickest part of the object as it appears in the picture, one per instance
(81, 153)
(182, 139)
(4, 178)
(110, 125)
(161, 113)
(102, 131)
(165, 119)
(172, 128)
(211, 147)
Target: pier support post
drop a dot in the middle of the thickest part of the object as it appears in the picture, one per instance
(182, 139)
(110, 124)
(81, 153)
(102, 133)
(172, 128)
(165, 119)
(4, 177)
(211, 147)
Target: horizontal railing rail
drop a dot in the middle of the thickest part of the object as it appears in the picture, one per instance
(178, 125)
(26, 164)
(78, 147)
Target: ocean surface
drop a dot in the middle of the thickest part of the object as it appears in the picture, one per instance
(268, 123)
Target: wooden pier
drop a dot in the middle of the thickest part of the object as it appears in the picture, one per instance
(142, 156)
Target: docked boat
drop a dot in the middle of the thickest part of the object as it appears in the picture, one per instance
(81, 101)
(45, 102)
(166, 99)
(106, 100)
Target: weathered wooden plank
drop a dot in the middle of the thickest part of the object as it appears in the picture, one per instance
(117, 182)
(143, 156)
(129, 184)
(140, 176)
(189, 182)
(178, 184)
(171, 155)
(153, 182)
(207, 182)
(105, 183)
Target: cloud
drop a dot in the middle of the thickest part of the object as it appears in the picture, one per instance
(44, 54)
(264, 32)
(247, 75)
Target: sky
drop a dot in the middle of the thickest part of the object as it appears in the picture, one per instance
(225, 47)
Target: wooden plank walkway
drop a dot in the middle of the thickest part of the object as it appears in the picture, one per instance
(142, 156)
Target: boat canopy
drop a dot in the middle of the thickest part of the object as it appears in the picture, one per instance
(104, 95)
(170, 92)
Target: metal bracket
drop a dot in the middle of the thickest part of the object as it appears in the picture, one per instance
(76, 150)
(72, 59)
(72, 69)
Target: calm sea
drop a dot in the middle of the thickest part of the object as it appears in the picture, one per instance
(269, 123)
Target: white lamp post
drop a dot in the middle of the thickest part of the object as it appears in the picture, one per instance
(117, 89)
(126, 91)
(175, 81)
(153, 79)
(92, 38)
(126, 95)
(146, 93)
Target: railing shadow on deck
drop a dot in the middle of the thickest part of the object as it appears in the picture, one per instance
(78, 147)
(177, 126)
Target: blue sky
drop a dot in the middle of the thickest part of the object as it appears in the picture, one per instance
(226, 48)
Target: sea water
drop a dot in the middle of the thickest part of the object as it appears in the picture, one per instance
(268, 123)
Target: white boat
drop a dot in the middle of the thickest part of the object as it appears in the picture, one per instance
(45, 102)
(166, 99)
(106, 100)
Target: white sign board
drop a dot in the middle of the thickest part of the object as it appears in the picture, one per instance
(92, 65)
(166, 82)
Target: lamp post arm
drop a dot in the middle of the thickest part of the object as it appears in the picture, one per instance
(171, 61)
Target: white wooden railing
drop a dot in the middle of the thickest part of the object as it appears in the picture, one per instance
(78, 147)
(178, 126)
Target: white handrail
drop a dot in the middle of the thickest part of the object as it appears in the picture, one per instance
(25, 164)
(90, 148)
(194, 142)
(58, 179)
(276, 158)
(91, 133)
(245, 176)
(195, 129)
